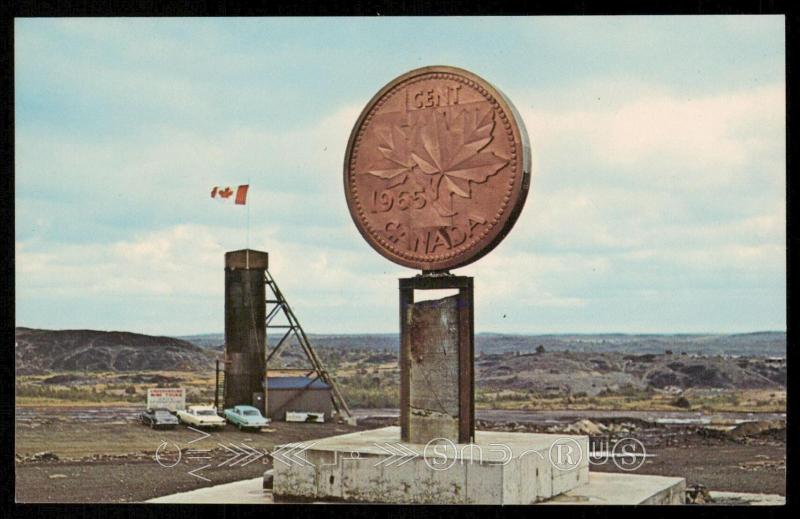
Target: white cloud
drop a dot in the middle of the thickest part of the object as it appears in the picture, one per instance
(162, 263)
(186, 261)
(716, 134)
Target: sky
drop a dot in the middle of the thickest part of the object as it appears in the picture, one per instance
(657, 200)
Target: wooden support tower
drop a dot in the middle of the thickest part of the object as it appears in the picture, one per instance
(278, 305)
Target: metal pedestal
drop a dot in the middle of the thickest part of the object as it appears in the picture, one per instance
(418, 344)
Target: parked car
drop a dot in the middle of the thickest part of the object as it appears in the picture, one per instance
(158, 418)
(246, 417)
(201, 416)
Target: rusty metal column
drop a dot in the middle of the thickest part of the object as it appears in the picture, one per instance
(216, 384)
(466, 361)
(406, 302)
(245, 326)
(436, 361)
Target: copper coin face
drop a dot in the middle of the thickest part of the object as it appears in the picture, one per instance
(437, 169)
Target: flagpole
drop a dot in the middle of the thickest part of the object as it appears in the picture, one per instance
(247, 206)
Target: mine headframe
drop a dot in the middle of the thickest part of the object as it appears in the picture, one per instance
(292, 332)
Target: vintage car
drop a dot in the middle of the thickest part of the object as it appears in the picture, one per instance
(246, 417)
(157, 418)
(201, 416)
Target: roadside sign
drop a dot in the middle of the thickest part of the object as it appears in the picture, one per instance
(172, 398)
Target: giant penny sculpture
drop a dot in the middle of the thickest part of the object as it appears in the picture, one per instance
(436, 172)
(437, 169)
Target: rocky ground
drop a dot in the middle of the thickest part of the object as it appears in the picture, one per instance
(745, 457)
(108, 457)
(594, 374)
(717, 420)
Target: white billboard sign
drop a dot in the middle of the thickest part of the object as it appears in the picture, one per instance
(172, 398)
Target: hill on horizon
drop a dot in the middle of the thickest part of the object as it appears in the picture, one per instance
(91, 350)
(36, 350)
(762, 344)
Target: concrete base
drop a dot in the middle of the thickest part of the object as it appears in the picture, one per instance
(374, 466)
(602, 489)
(245, 492)
(624, 489)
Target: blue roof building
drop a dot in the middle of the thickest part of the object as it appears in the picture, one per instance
(300, 394)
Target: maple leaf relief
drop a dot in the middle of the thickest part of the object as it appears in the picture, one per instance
(393, 145)
(444, 151)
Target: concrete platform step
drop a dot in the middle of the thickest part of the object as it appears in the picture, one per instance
(624, 489)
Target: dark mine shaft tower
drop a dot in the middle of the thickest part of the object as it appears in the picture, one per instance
(249, 288)
(245, 328)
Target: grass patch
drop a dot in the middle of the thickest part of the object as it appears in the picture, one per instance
(378, 386)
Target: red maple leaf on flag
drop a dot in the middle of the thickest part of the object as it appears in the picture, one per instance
(226, 193)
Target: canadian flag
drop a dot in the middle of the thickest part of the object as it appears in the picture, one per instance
(227, 192)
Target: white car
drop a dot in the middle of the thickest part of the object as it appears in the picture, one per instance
(201, 416)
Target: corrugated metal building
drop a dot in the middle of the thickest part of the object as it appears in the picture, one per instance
(297, 394)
